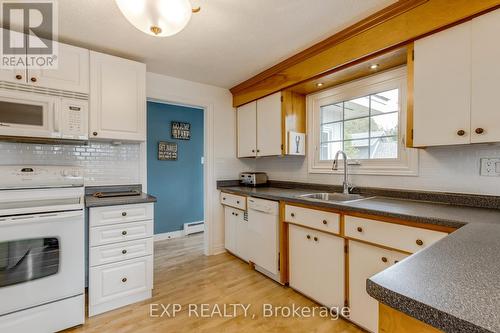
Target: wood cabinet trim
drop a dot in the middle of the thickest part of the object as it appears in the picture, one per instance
(396, 29)
(393, 321)
(371, 21)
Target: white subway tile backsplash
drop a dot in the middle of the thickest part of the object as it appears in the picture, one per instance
(103, 163)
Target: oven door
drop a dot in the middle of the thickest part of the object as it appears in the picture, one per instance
(41, 259)
(27, 114)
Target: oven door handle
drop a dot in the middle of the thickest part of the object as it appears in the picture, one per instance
(36, 218)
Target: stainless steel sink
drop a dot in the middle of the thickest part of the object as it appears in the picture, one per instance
(339, 197)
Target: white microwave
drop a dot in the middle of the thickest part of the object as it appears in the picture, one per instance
(33, 115)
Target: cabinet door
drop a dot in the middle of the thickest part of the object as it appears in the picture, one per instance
(485, 112)
(71, 74)
(229, 230)
(14, 75)
(117, 98)
(364, 262)
(317, 265)
(442, 88)
(241, 234)
(269, 140)
(247, 130)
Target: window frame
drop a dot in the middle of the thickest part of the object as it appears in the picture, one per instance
(407, 162)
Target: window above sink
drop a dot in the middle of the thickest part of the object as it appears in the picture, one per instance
(365, 118)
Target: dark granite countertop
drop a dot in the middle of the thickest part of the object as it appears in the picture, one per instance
(453, 285)
(91, 201)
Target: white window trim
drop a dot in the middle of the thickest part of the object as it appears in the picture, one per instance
(407, 162)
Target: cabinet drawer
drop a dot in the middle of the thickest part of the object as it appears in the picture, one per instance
(120, 214)
(409, 239)
(120, 232)
(108, 254)
(313, 218)
(236, 201)
(118, 280)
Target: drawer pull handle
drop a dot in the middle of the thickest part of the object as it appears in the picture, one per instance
(384, 259)
(124, 232)
(396, 261)
(325, 222)
(419, 242)
(124, 213)
(292, 214)
(238, 202)
(460, 132)
(236, 214)
(124, 280)
(223, 199)
(359, 229)
(316, 239)
(232, 213)
(33, 79)
(479, 130)
(19, 77)
(124, 251)
(308, 236)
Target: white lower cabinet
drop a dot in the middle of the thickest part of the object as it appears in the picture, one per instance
(236, 232)
(120, 256)
(364, 262)
(316, 265)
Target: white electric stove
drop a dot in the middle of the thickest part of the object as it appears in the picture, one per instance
(42, 277)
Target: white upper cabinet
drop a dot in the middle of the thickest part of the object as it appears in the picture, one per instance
(456, 84)
(269, 125)
(247, 130)
(442, 88)
(117, 98)
(71, 74)
(485, 116)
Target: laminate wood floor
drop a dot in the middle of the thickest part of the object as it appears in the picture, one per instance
(183, 275)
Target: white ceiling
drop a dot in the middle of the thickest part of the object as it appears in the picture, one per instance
(226, 43)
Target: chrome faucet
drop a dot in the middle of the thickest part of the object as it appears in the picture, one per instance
(345, 185)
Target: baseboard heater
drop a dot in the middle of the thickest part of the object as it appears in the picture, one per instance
(194, 227)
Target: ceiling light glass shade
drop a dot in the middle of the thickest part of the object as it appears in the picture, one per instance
(159, 18)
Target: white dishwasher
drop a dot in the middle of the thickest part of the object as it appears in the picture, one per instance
(263, 236)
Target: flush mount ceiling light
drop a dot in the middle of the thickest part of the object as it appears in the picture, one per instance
(160, 18)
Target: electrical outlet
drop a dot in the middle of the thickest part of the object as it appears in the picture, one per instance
(490, 167)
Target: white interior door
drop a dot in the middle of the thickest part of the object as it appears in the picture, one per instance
(442, 88)
(247, 130)
(364, 262)
(269, 141)
(485, 113)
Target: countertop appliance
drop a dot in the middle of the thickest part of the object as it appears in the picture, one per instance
(41, 248)
(35, 115)
(253, 178)
(263, 228)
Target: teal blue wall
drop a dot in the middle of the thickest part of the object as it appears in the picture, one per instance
(178, 185)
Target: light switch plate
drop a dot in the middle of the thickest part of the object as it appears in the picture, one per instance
(490, 167)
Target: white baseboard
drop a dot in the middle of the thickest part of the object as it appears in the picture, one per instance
(169, 235)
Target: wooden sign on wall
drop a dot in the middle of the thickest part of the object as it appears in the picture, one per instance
(181, 131)
(167, 151)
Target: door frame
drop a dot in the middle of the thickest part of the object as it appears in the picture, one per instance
(209, 183)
